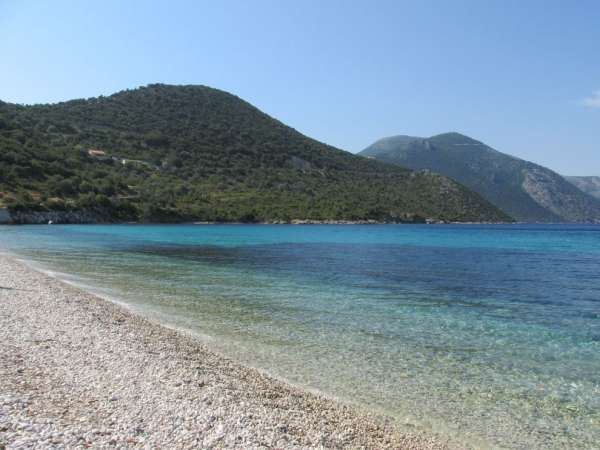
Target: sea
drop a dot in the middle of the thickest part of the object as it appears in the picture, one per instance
(487, 334)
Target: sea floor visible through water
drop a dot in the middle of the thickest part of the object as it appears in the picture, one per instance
(487, 332)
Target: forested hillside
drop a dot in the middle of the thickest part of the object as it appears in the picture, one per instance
(173, 153)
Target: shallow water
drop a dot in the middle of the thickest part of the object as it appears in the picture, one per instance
(490, 333)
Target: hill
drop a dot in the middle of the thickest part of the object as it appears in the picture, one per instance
(524, 190)
(589, 185)
(175, 153)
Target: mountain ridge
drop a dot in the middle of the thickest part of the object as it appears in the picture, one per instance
(525, 190)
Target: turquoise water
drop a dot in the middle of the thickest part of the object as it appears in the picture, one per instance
(489, 333)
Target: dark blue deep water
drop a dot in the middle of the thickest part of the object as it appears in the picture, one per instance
(489, 333)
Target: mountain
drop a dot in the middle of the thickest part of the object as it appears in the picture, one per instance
(175, 153)
(589, 185)
(524, 190)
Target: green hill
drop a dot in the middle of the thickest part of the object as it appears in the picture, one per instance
(589, 185)
(524, 190)
(173, 153)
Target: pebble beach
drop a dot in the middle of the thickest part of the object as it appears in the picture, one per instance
(78, 371)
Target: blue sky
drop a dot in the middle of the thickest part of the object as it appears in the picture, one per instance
(522, 76)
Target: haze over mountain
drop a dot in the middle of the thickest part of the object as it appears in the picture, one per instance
(172, 153)
(589, 185)
(526, 191)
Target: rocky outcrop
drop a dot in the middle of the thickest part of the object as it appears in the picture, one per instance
(589, 185)
(550, 191)
(5, 216)
(64, 217)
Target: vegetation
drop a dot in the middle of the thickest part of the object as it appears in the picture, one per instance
(176, 153)
(526, 191)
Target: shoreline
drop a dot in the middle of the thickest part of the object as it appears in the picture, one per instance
(291, 223)
(80, 370)
(88, 218)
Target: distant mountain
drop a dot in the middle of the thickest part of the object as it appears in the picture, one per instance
(589, 185)
(174, 153)
(524, 190)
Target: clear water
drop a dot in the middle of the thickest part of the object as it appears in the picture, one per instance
(489, 333)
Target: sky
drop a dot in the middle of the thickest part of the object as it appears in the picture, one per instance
(521, 76)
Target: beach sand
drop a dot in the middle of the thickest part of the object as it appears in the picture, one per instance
(77, 371)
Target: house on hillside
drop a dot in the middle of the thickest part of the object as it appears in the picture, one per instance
(96, 153)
